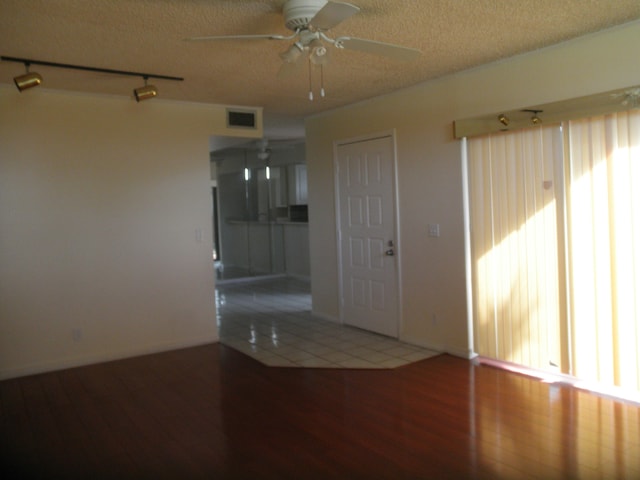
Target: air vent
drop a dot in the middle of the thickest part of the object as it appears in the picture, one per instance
(241, 118)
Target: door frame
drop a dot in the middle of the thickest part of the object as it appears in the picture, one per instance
(396, 212)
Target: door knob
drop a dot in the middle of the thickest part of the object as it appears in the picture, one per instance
(390, 252)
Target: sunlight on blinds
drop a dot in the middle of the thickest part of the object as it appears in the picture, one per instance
(515, 180)
(603, 201)
(527, 210)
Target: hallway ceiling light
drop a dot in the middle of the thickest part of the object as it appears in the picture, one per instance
(503, 119)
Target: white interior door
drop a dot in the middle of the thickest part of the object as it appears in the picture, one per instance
(367, 233)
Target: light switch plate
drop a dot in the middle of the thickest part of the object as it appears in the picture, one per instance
(434, 229)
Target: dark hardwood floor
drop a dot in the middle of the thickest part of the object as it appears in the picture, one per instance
(211, 412)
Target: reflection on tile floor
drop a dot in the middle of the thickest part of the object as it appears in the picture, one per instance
(270, 320)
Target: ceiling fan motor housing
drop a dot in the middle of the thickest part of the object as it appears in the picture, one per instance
(298, 13)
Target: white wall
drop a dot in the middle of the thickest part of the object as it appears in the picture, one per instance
(430, 173)
(105, 228)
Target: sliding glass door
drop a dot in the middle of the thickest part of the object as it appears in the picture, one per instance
(555, 232)
(515, 187)
(603, 202)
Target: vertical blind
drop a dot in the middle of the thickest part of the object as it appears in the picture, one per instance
(603, 201)
(515, 182)
(555, 245)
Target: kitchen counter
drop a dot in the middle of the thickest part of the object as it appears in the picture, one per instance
(264, 222)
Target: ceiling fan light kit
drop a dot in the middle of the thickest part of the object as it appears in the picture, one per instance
(318, 52)
(309, 20)
(293, 53)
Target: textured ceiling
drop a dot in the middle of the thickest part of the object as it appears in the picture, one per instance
(147, 36)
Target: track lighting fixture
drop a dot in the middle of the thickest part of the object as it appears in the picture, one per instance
(535, 119)
(503, 119)
(146, 92)
(28, 80)
(33, 79)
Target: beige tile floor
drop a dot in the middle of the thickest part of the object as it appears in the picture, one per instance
(271, 321)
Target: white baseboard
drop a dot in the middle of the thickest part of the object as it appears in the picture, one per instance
(421, 344)
(459, 352)
(63, 364)
(557, 378)
(303, 278)
(466, 354)
(324, 316)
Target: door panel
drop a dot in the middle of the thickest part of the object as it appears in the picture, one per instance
(366, 210)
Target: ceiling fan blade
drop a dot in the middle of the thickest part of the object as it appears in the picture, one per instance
(237, 37)
(332, 14)
(378, 48)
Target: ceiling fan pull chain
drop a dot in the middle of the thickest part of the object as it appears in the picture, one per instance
(322, 80)
(310, 84)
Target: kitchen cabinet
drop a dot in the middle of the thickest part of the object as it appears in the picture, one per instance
(297, 184)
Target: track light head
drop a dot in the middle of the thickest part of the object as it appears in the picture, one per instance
(28, 80)
(146, 92)
(535, 119)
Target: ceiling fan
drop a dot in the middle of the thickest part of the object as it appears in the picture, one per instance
(310, 20)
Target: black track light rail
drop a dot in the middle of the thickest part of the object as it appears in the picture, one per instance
(27, 61)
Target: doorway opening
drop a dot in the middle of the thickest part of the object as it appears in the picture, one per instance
(260, 219)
